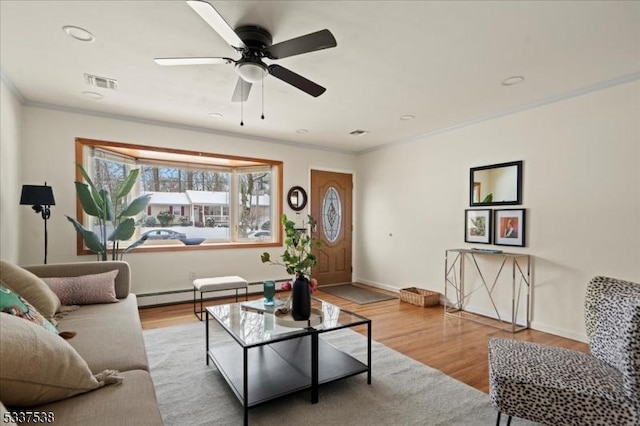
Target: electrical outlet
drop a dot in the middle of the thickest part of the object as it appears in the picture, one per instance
(192, 275)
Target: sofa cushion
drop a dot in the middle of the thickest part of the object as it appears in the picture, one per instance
(108, 335)
(31, 288)
(13, 304)
(131, 403)
(85, 289)
(27, 354)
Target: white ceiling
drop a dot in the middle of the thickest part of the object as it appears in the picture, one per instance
(442, 62)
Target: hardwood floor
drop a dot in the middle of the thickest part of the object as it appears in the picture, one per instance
(454, 346)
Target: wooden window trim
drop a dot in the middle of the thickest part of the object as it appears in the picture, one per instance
(80, 143)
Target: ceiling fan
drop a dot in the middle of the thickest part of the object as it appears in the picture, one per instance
(254, 44)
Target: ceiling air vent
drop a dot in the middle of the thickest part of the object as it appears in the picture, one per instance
(102, 82)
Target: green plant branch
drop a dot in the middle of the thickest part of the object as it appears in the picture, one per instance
(298, 257)
(98, 204)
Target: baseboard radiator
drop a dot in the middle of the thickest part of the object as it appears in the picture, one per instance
(186, 295)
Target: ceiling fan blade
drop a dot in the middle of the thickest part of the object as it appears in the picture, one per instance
(216, 21)
(296, 80)
(307, 43)
(241, 92)
(192, 61)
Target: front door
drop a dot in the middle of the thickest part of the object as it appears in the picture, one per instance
(330, 197)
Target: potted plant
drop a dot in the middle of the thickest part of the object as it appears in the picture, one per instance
(114, 212)
(298, 259)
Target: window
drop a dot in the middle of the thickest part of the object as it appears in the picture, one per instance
(198, 200)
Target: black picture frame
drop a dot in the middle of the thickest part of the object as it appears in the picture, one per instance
(510, 227)
(297, 198)
(477, 226)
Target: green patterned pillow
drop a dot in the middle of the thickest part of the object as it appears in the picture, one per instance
(11, 303)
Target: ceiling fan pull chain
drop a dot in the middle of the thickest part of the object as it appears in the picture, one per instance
(242, 104)
(262, 116)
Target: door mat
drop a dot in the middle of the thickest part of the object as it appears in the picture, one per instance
(355, 294)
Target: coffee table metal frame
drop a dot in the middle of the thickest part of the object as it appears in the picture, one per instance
(270, 362)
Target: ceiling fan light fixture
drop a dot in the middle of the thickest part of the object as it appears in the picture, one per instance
(251, 72)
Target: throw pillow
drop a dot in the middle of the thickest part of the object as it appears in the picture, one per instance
(31, 288)
(37, 367)
(12, 304)
(85, 289)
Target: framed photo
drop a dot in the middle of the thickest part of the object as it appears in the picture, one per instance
(477, 228)
(509, 227)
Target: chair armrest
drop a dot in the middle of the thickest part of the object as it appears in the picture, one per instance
(122, 282)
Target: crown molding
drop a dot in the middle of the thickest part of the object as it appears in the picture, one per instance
(553, 99)
(12, 88)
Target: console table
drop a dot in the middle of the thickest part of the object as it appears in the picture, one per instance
(457, 287)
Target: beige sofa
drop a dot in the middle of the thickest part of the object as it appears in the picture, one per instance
(109, 336)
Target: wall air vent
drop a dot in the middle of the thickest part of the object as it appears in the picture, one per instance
(102, 82)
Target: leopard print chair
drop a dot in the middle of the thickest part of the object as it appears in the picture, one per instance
(558, 386)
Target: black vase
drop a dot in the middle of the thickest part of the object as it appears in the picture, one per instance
(301, 299)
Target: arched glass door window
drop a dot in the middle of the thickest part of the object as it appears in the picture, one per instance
(331, 214)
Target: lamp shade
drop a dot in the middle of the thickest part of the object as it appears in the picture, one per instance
(37, 195)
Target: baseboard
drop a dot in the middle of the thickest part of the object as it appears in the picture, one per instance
(492, 314)
(378, 285)
(536, 325)
(184, 296)
(392, 288)
(147, 300)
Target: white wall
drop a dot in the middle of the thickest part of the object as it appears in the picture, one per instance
(48, 154)
(10, 187)
(581, 191)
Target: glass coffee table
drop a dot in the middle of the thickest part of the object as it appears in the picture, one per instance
(266, 360)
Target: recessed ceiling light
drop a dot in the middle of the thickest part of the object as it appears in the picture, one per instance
(93, 95)
(407, 117)
(216, 115)
(79, 33)
(302, 131)
(510, 81)
(358, 132)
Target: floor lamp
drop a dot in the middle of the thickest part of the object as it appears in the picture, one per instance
(40, 198)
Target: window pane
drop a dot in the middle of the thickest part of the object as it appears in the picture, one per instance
(254, 210)
(108, 174)
(192, 202)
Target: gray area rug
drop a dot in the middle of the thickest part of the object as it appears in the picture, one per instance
(356, 294)
(402, 392)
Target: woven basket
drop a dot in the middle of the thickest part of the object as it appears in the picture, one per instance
(419, 296)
